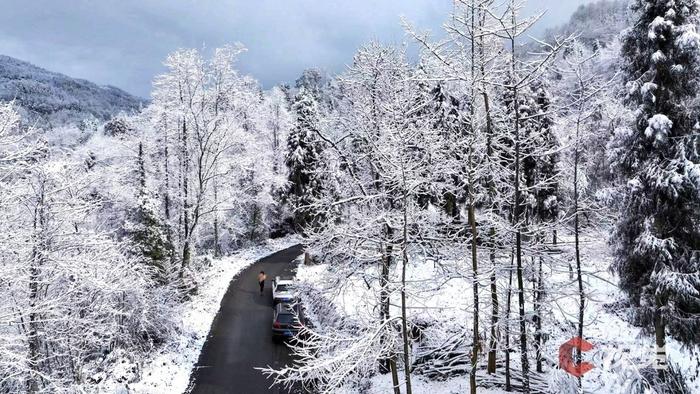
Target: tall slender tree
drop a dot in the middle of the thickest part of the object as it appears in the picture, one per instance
(304, 159)
(541, 184)
(203, 98)
(582, 92)
(657, 237)
(145, 227)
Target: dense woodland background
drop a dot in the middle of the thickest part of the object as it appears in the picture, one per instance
(491, 155)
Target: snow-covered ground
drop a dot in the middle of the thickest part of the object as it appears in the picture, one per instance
(168, 369)
(380, 384)
(620, 348)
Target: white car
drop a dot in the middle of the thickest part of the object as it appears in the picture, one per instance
(283, 290)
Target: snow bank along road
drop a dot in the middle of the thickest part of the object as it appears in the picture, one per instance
(240, 338)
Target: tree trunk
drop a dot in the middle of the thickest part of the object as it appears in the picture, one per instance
(472, 218)
(475, 289)
(406, 345)
(33, 341)
(384, 301)
(538, 317)
(217, 246)
(577, 250)
(519, 277)
(185, 203)
(253, 223)
(660, 335)
(166, 194)
(166, 200)
(180, 232)
(276, 140)
(384, 278)
(32, 332)
(493, 342)
(394, 375)
(525, 364)
(404, 317)
(185, 257)
(507, 320)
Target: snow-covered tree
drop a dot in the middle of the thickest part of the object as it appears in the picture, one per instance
(15, 148)
(451, 120)
(540, 166)
(583, 94)
(313, 81)
(275, 121)
(144, 227)
(117, 126)
(657, 237)
(206, 105)
(512, 126)
(384, 157)
(304, 159)
(76, 295)
(540, 190)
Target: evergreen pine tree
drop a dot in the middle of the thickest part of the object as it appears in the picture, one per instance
(452, 120)
(303, 158)
(145, 228)
(540, 168)
(539, 197)
(657, 239)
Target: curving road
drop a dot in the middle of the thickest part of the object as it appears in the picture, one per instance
(240, 337)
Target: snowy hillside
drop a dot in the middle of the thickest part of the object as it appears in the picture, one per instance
(600, 21)
(55, 99)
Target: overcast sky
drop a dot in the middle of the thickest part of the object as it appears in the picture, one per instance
(124, 42)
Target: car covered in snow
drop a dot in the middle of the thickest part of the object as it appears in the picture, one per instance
(286, 321)
(283, 290)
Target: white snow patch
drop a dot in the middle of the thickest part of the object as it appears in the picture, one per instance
(689, 40)
(658, 57)
(382, 384)
(659, 127)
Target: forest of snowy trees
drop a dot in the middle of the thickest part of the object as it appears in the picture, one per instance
(101, 225)
(458, 194)
(494, 163)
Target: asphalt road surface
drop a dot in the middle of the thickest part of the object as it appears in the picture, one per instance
(240, 338)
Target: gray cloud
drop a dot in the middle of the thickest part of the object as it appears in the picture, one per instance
(123, 42)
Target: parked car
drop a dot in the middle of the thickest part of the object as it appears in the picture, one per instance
(286, 321)
(283, 291)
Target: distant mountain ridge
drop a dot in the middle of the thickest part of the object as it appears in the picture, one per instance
(53, 99)
(600, 21)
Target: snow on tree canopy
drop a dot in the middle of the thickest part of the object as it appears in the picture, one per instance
(659, 127)
(657, 235)
(689, 40)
